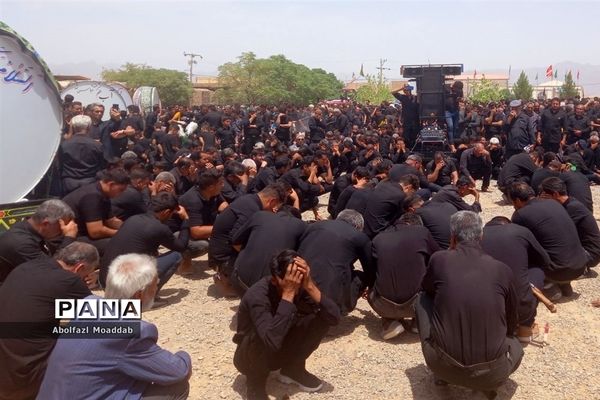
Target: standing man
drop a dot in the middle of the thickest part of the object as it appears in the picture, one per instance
(410, 115)
(552, 128)
(468, 313)
(578, 126)
(519, 129)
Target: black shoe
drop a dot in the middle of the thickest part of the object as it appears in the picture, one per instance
(552, 292)
(306, 381)
(256, 391)
(566, 289)
(490, 394)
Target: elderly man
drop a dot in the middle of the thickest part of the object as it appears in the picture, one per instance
(109, 368)
(519, 129)
(81, 157)
(475, 163)
(468, 313)
(27, 315)
(281, 322)
(28, 240)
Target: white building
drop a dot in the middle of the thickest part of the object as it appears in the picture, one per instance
(551, 89)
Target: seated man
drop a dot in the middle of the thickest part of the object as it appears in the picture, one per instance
(359, 181)
(467, 314)
(202, 202)
(236, 181)
(553, 228)
(441, 170)
(263, 235)
(515, 246)
(27, 240)
(27, 297)
(518, 168)
(332, 247)
(221, 253)
(109, 368)
(272, 333)
(587, 227)
(183, 172)
(578, 185)
(145, 233)
(134, 200)
(436, 218)
(454, 194)
(399, 277)
(475, 163)
(413, 166)
(93, 213)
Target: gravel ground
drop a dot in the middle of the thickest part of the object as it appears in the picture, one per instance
(355, 363)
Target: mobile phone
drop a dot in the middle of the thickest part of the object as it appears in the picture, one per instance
(115, 106)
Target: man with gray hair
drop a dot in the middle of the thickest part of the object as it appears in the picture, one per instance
(27, 314)
(30, 239)
(81, 156)
(331, 248)
(467, 314)
(132, 368)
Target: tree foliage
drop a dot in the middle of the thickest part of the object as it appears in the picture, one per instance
(374, 90)
(274, 80)
(569, 90)
(173, 86)
(522, 89)
(485, 91)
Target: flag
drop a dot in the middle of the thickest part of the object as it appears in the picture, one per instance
(509, 68)
(536, 76)
(353, 76)
(362, 72)
(577, 74)
(555, 74)
(474, 74)
(549, 72)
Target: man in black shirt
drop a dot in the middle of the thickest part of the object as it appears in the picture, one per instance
(226, 135)
(81, 157)
(519, 168)
(436, 218)
(202, 202)
(93, 213)
(587, 227)
(221, 252)
(413, 166)
(578, 185)
(410, 114)
(399, 280)
(578, 126)
(515, 246)
(359, 181)
(269, 175)
(236, 181)
(454, 195)
(134, 200)
(170, 144)
(332, 247)
(183, 172)
(475, 163)
(27, 314)
(280, 323)
(468, 313)
(262, 236)
(552, 125)
(441, 170)
(556, 232)
(28, 240)
(519, 129)
(550, 169)
(151, 119)
(144, 233)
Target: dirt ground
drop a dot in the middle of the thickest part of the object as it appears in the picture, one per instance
(355, 363)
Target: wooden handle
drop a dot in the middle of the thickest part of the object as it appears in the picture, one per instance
(549, 304)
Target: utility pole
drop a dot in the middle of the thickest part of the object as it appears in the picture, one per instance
(191, 62)
(382, 62)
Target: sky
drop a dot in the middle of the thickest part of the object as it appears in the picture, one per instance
(337, 36)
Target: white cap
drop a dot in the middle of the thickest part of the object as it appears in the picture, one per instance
(494, 140)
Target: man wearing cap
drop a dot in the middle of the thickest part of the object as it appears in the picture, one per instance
(496, 155)
(519, 129)
(410, 114)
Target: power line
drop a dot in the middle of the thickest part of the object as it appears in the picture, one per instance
(191, 61)
(381, 68)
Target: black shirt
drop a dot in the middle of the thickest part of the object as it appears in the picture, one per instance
(22, 243)
(587, 227)
(339, 186)
(226, 226)
(538, 177)
(89, 205)
(475, 304)
(519, 167)
(552, 125)
(449, 194)
(226, 137)
(383, 207)
(556, 232)
(264, 313)
(358, 200)
(520, 131)
(182, 183)
(515, 246)
(470, 163)
(436, 218)
(170, 143)
(231, 192)
(445, 174)
(399, 278)
(575, 123)
(331, 248)
(400, 170)
(202, 212)
(263, 236)
(129, 203)
(28, 296)
(578, 186)
(81, 157)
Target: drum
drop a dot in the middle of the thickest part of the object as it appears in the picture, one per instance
(107, 94)
(146, 97)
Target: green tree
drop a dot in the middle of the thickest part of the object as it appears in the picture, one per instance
(374, 90)
(569, 90)
(485, 91)
(173, 86)
(274, 80)
(522, 89)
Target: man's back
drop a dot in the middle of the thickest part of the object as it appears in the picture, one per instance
(436, 218)
(578, 186)
(89, 204)
(474, 303)
(81, 157)
(383, 208)
(517, 167)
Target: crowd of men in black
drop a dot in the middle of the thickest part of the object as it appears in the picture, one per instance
(233, 181)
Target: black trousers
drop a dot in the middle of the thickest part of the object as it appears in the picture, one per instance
(482, 172)
(485, 376)
(253, 359)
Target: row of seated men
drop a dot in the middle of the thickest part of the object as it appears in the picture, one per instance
(242, 238)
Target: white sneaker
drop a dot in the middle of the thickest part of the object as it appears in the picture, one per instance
(391, 329)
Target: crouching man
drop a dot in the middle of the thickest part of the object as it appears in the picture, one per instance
(281, 322)
(467, 315)
(109, 368)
